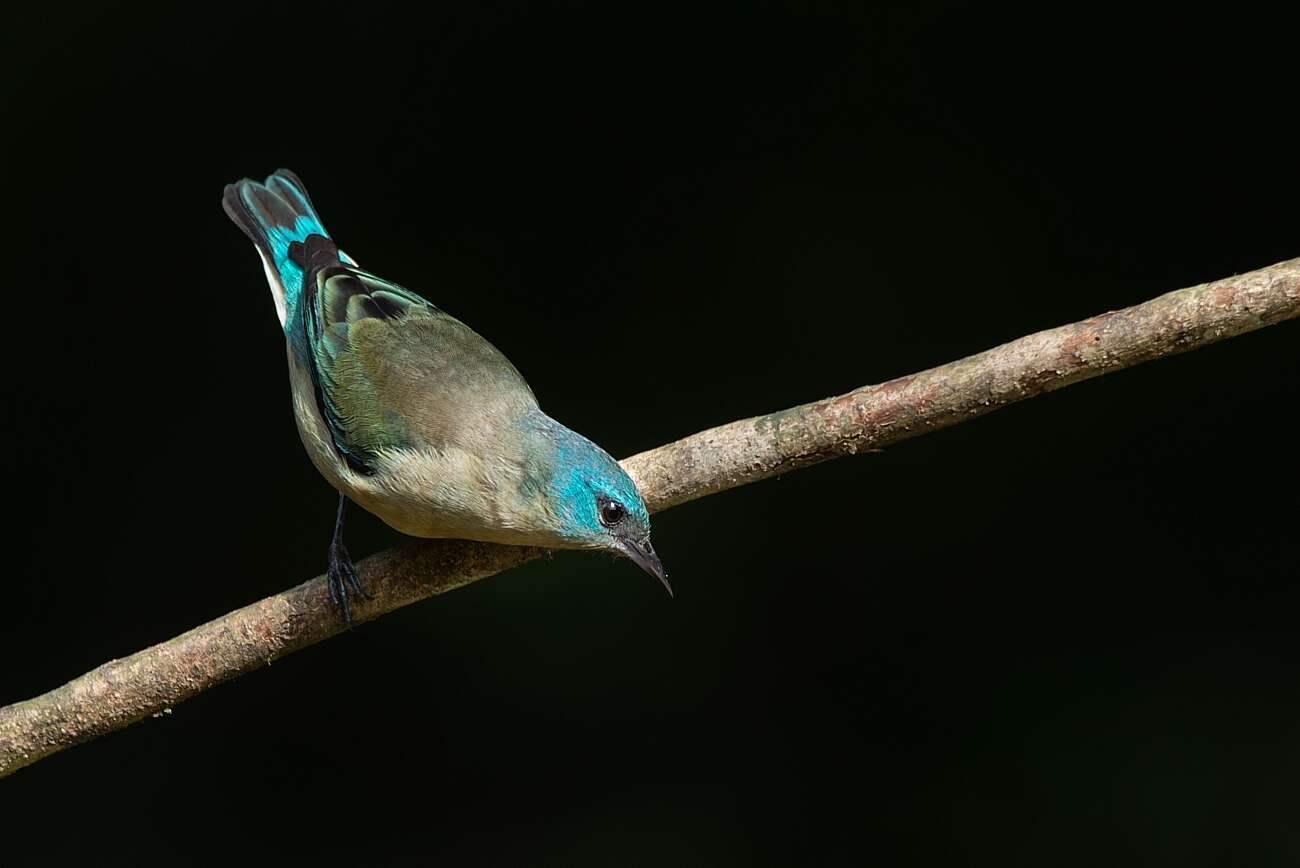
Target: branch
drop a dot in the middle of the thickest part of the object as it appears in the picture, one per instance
(123, 691)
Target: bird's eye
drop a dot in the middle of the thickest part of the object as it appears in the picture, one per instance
(611, 512)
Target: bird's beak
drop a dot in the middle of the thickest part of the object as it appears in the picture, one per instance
(643, 555)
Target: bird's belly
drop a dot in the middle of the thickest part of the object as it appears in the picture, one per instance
(453, 493)
(437, 501)
(429, 522)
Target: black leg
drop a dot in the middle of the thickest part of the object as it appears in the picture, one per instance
(343, 579)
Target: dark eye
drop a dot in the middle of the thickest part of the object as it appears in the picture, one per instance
(611, 512)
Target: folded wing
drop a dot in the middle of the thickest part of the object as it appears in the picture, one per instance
(394, 372)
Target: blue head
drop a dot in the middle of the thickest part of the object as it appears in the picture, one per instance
(596, 504)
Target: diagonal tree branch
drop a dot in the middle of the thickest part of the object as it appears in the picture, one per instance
(123, 691)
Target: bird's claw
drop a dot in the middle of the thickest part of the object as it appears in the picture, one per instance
(343, 580)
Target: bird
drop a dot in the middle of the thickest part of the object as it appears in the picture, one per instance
(412, 415)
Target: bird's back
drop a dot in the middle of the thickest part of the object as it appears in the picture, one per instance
(422, 379)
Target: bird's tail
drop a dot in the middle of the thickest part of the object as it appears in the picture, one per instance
(276, 214)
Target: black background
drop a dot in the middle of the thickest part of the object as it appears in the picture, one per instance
(1061, 635)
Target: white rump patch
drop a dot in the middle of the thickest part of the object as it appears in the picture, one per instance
(277, 288)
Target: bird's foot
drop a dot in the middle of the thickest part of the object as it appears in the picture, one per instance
(343, 580)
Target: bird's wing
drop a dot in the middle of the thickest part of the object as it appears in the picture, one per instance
(393, 371)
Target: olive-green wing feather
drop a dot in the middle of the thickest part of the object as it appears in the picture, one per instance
(394, 371)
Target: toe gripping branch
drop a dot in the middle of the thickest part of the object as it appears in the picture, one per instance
(342, 573)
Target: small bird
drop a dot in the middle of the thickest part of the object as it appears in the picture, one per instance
(415, 417)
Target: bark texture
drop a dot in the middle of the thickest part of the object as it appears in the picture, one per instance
(870, 418)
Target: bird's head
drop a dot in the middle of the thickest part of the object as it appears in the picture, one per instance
(597, 504)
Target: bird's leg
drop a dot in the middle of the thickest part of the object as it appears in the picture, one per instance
(342, 574)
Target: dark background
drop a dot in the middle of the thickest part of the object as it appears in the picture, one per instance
(1061, 635)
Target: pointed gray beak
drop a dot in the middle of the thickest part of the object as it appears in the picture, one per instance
(643, 555)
